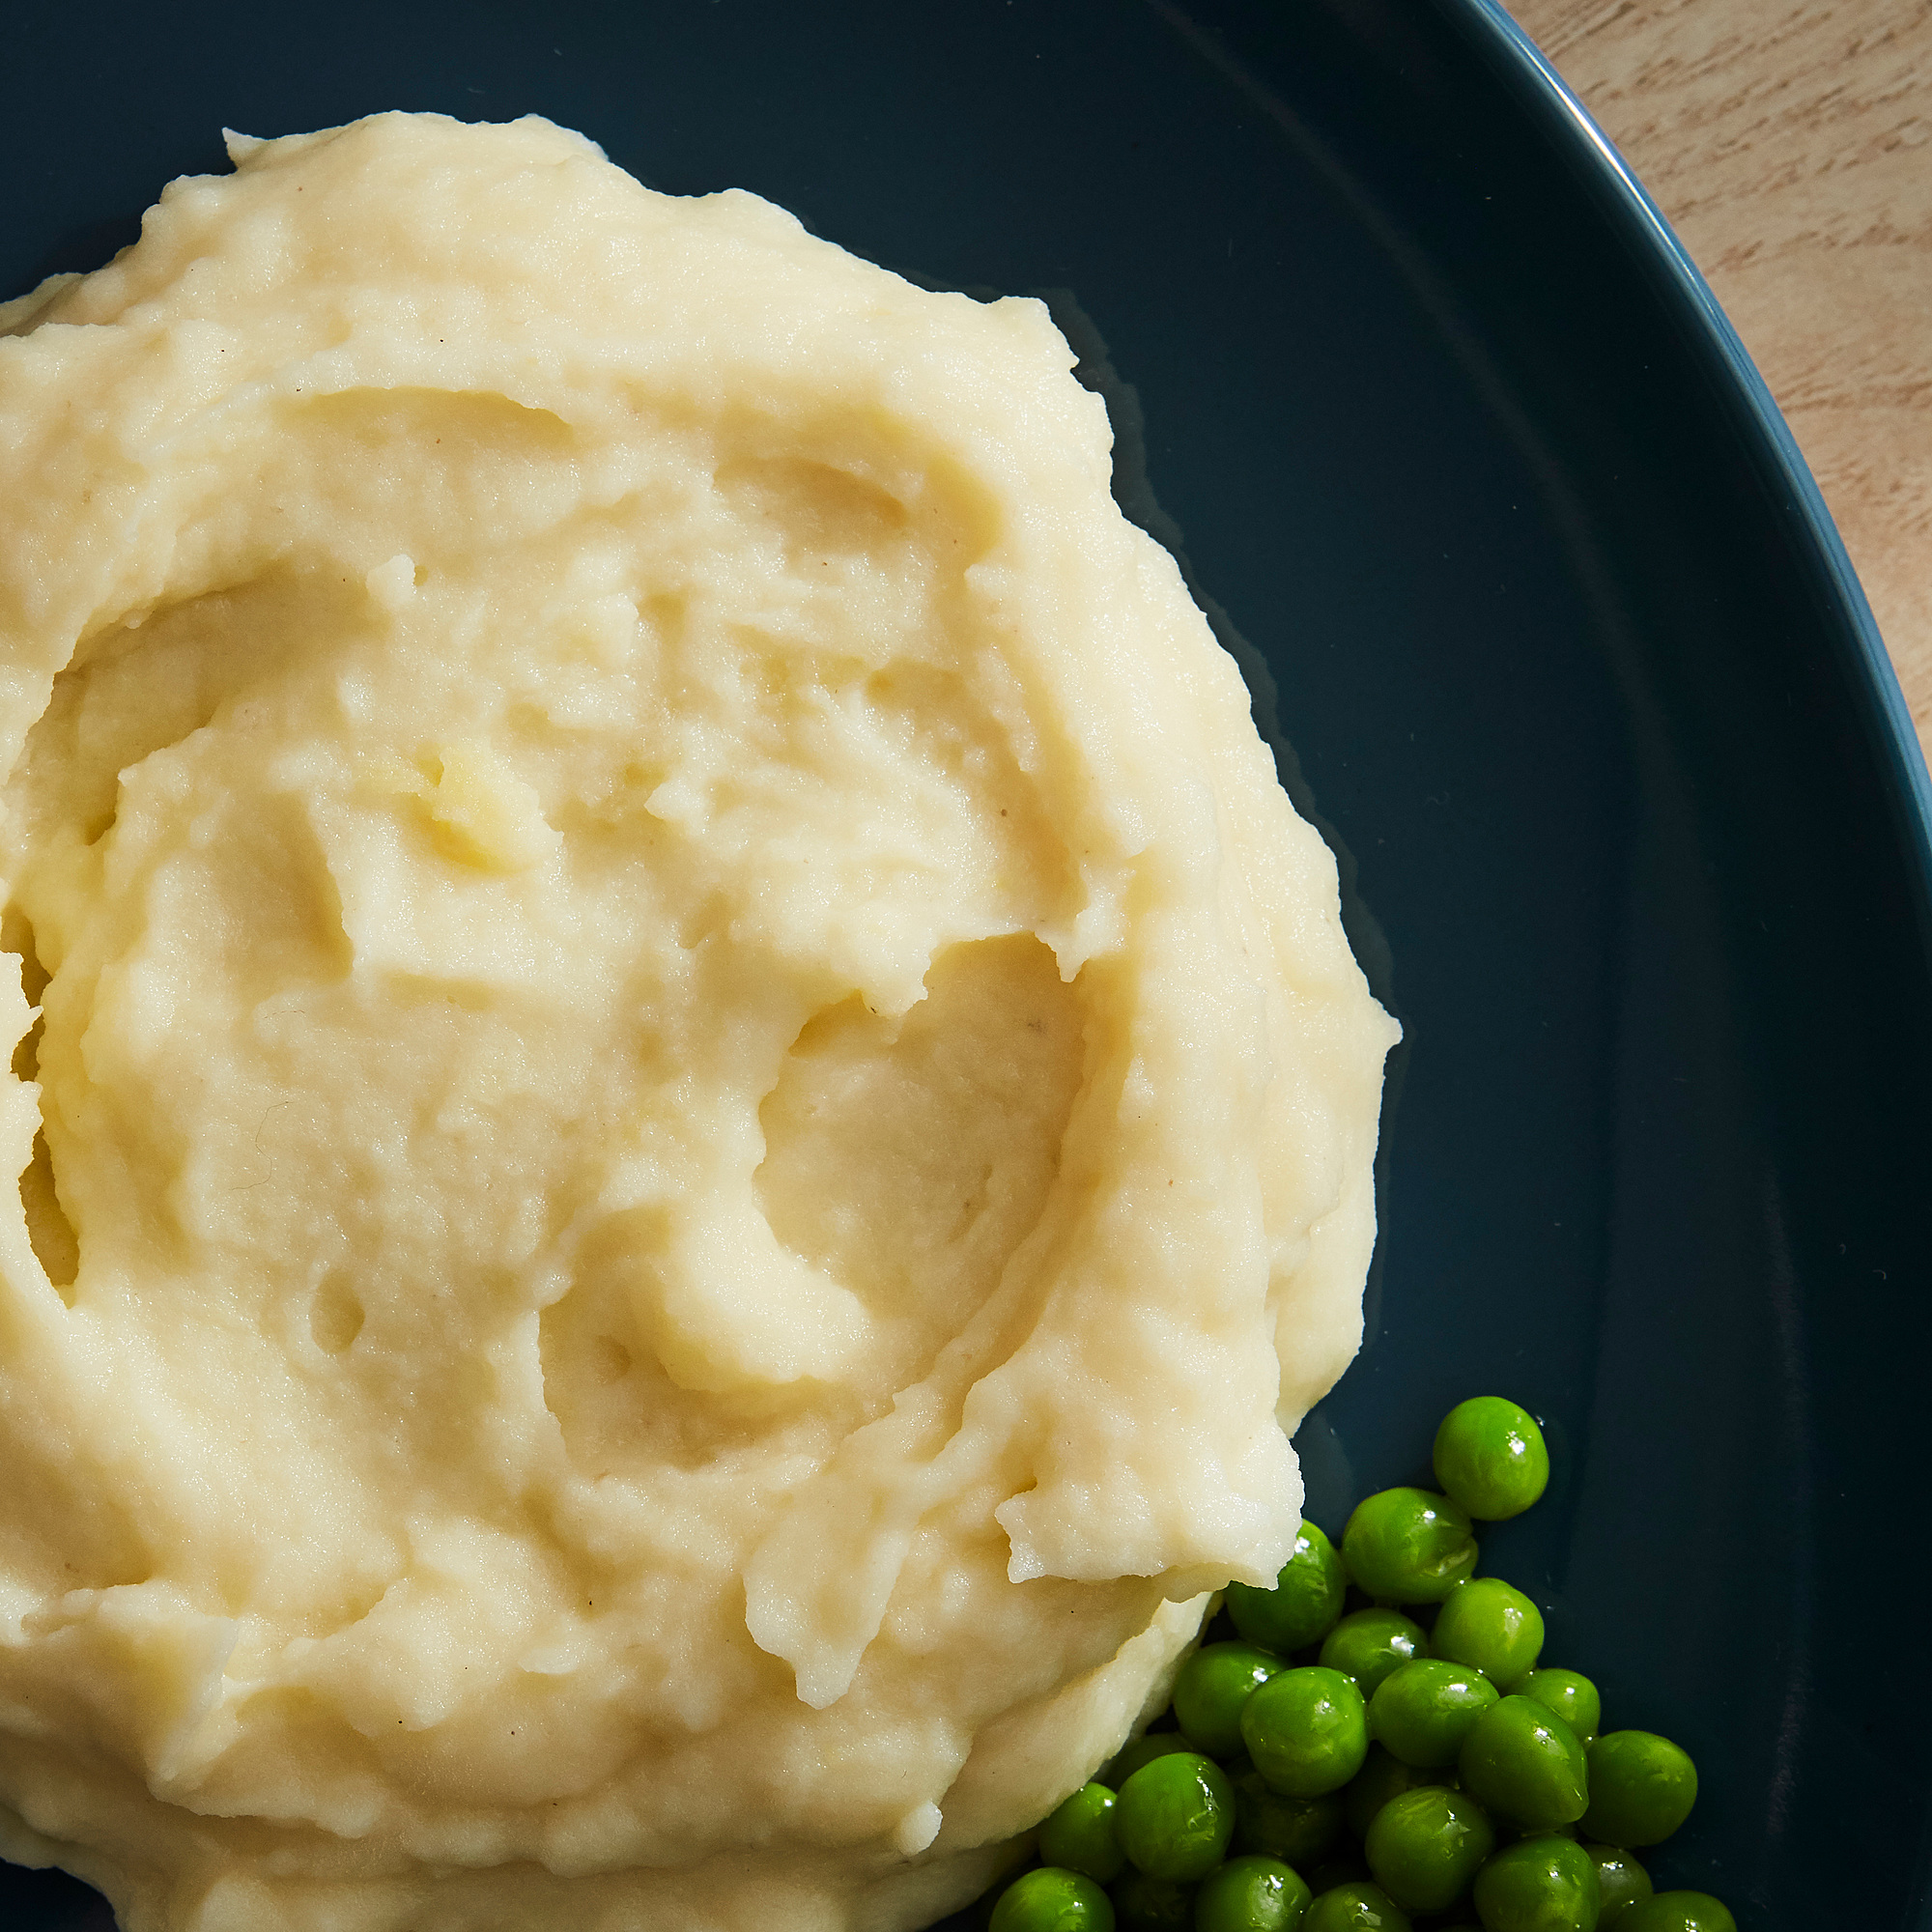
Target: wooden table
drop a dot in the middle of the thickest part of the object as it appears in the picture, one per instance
(1790, 144)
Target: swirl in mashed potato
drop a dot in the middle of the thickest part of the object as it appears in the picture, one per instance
(690, 1113)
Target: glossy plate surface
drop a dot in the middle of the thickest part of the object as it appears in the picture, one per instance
(1574, 677)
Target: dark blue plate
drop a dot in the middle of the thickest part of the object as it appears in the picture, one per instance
(1575, 677)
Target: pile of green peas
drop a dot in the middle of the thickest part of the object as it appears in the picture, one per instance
(1338, 1771)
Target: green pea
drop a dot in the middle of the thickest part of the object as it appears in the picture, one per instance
(1570, 1694)
(1048, 1899)
(1422, 1712)
(1251, 1894)
(1369, 1645)
(1213, 1686)
(1145, 1904)
(1526, 1765)
(1622, 1881)
(1306, 1599)
(1673, 1911)
(1137, 1751)
(1079, 1836)
(1408, 1546)
(1175, 1816)
(1540, 1885)
(1487, 1624)
(1425, 1847)
(1355, 1908)
(1307, 1731)
(1641, 1788)
(1297, 1831)
(1380, 1779)
(1491, 1458)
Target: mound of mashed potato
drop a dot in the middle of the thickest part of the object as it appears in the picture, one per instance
(690, 1113)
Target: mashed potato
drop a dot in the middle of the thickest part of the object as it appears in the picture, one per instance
(696, 1113)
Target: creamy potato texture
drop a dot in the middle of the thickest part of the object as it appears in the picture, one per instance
(690, 1112)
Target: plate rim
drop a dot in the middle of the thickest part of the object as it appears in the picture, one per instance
(1712, 339)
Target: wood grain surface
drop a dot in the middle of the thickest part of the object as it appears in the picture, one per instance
(1790, 144)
